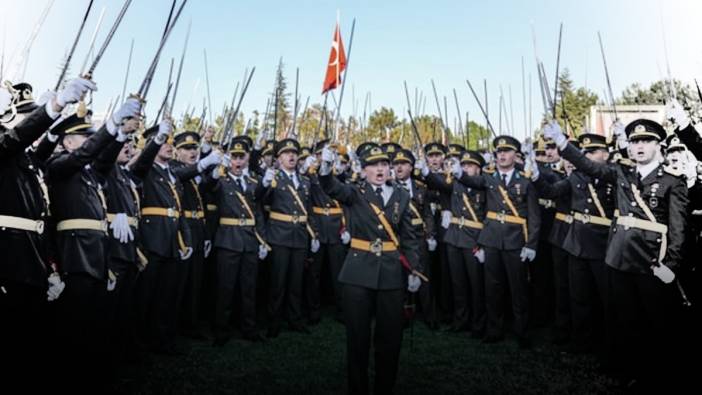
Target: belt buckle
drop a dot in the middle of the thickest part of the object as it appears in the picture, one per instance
(170, 212)
(326, 211)
(569, 219)
(376, 247)
(501, 217)
(586, 218)
(103, 225)
(295, 219)
(242, 221)
(39, 226)
(461, 222)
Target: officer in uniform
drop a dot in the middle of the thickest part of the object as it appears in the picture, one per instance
(591, 213)
(239, 244)
(79, 207)
(186, 168)
(644, 250)
(465, 257)
(510, 237)
(24, 233)
(383, 246)
(291, 232)
(423, 223)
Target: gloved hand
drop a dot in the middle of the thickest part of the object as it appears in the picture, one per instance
(165, 128)
(184, 255)
(619, 134)
(208, 247)
(480, 255)
(456, 168)
(421, 165)
(676, 113)
(532, 166)
(111, 281)
(689, 168)
(74, 90)
(5, 100)
(339, 167)
(314, 245)
(262, 252)
(413, 283)
(345, 237)
(212, 159)
(446, 219)
(356, 168)
(552, 130)
(258, 144)
(121, 229)
(45, 97)
(268, 177)
(527, 254)
(129, 109)
(328, 154)
(309, 162)
(56, 286)
(663, 273)
(431, 244)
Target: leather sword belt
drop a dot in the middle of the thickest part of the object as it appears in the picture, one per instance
(564, 217)
(19, 223)
(502, 218)
(160, 212)
(295, 219)
(132, 221)
(82, 224)
(193, 214)
(237, 221)
(592, 219)
(377, 247)
(327, 211)
(637, 223)
(462, 221)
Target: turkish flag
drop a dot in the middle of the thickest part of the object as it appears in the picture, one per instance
(337, 62)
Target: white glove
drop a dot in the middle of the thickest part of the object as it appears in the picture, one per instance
(121, 229)
(527, 254)
(675, 112)
(480, 255)
(456, 169)
(689, 168)
(185, 255)
(413, 283)
(268, 177)
(262, 252)
(56, 286)
(210, 160)
(431, 244)
(314, 245)
(338, 166)
(111, 281)
(208, 247)
(421, 164)
(328, 154)
(552, 130)
(532, 166)
(129, 109)
(446, 219)
(619, 134)
(663, 273)
(356, 168)
(258, 144)
(5, 100)
(309, 162)
(345, 237)
(74, 90)
(45, 98)
(165, 128)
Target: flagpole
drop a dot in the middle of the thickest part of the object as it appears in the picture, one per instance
(343, 81)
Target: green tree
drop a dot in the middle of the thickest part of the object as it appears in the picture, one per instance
(659, 92)
(280, 116)
(573, 104)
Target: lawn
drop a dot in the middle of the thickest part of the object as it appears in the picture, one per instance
(437, 362)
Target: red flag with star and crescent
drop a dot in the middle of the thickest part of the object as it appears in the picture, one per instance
(337, 63)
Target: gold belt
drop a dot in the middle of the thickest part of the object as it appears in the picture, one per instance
(502, 218)
(160, 212)
(564, 217)
(211, 207)
(132, 221)
(631, 222)
(193, 214)
(593, 219)
(20, 223)
(462, 221)
(377, 247)
(295, 219)
(237, 221)
(82, 224)
(327, 210)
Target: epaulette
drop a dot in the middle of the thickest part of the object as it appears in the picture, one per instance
(489, 170)
(626, 162)
(673, 172)
(255, 181)
(420, 183)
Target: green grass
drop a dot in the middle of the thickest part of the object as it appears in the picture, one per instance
(438, 362)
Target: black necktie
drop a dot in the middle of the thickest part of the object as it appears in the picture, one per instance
(379, 192)
(504, 179)
(238, 183)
